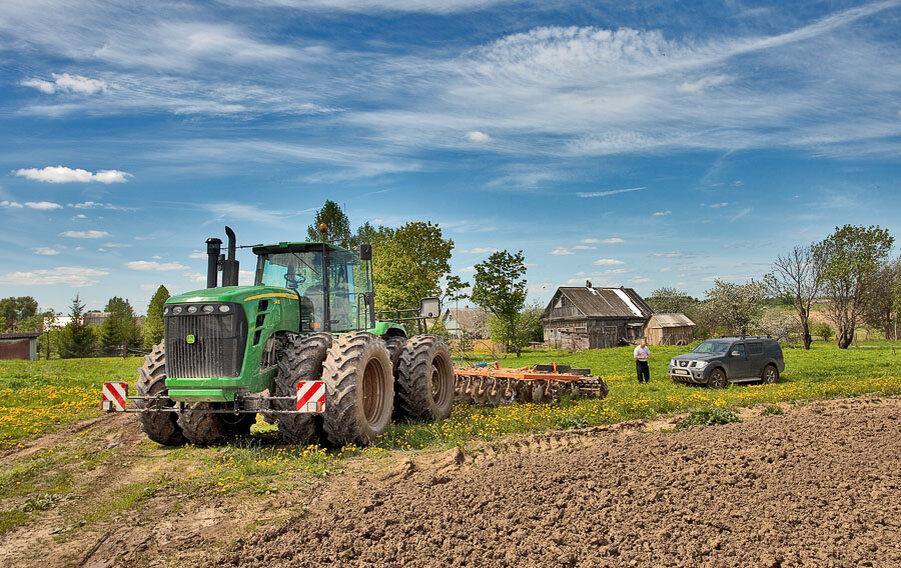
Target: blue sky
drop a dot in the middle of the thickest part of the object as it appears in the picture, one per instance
(641, 144)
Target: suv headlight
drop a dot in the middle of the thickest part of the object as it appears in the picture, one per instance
(700, 364)
(672, 362)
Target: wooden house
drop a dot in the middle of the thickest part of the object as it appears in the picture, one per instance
(19, 346)
(587, 317)
(669, 329)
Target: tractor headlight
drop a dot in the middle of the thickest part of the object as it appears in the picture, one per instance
(208, 309)
(192, 309)
(225, 308)
(177, 310)
(165, 311)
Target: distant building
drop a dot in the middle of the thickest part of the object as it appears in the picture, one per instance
(587, 317)
(669, 329)
(19, 346)
(472, 321)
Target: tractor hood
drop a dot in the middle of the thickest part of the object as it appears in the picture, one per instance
(232, 294)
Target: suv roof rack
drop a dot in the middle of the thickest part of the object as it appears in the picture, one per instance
(767, 336)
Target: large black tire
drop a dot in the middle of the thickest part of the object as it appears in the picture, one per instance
(717, 379)
(161, 427)
(359, 389)
(395, 345)
(205, 429)
(302, 361)
(425, 380)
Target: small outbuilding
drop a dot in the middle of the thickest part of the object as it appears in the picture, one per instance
(19, 346)
(669, 329)
(471, 321)
(588, 317)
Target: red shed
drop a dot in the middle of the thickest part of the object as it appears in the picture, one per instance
(19, 346)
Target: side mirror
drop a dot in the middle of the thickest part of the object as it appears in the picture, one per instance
(735, 354)
(429, 307)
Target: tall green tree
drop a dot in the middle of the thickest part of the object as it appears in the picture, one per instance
(76, 339)
(734, 308)
(879, 309)
(499, 286)
(667, 300)
(797, 278)
(121, 326)
(15, 310)
(152, 330)
(408, 264)
(337, 225)
(852, 256)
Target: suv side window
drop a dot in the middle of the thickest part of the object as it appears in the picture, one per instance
(755, 348)
(740, 347)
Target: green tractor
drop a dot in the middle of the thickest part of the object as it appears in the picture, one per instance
(303, 347)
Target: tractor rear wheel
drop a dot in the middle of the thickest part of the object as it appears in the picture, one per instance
(425, 380)
(359, 389)
(302, 361)
(161, 427)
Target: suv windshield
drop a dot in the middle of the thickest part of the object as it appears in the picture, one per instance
(712, 347)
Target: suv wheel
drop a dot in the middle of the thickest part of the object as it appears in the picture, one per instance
(717, 379)
(770, 375)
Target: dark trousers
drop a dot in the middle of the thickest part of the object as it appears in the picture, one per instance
(641, 369)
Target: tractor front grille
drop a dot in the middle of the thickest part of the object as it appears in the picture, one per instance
(205, 345)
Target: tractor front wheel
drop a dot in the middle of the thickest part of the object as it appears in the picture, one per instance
(425, 380)
(359, 389)
(302, 361)
(161, 427)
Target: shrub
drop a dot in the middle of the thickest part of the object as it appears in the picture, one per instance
(771, 411)
(708, 417)
(823, 330)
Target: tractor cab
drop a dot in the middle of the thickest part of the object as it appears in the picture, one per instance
(333, 285)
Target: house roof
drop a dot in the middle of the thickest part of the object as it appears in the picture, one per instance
(605, 302)
(670, 320)
(472, 320)
(23, 335)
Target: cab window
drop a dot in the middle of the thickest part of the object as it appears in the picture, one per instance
(740, 347)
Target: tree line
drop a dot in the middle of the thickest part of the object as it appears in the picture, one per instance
(849, 274)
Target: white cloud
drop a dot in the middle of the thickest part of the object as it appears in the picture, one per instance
(92, 234)
(65, 83)
(479, 250)
(467, 269)
(607, 262)
(606, 193)
(156, 266)
(10, 205)
(740, 214)
(703, 83)
(74, 276)
(718, 205)
(561, 251)
(234, 211)
(674, 254)
(639, 280)
(478, 137)
(197, 254)
(610, 241)
(661, 213)
(196, 276)
(80, 216)
(44, 251)
(584, 247)
(610, 271)
(117, 245)
(63, 174)
(376, 6)
(42, 205)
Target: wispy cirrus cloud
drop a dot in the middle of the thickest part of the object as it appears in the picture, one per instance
(65, 83)
(91, 234)
(609, 192)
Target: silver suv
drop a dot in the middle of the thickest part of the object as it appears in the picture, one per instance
(718, 362)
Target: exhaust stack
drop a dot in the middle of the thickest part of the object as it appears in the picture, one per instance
(230, 265)
(213, 246)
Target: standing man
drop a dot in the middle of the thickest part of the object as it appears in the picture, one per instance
(641, 355)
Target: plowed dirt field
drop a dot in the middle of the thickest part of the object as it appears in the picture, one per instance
(816, 486)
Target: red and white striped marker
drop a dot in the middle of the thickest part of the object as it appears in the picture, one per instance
(114, 397)
(310, 396)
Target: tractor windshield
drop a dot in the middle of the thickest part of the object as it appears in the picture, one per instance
(348, 281)
(299, 271)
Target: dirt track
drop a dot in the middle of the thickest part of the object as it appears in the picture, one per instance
(817, 486)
